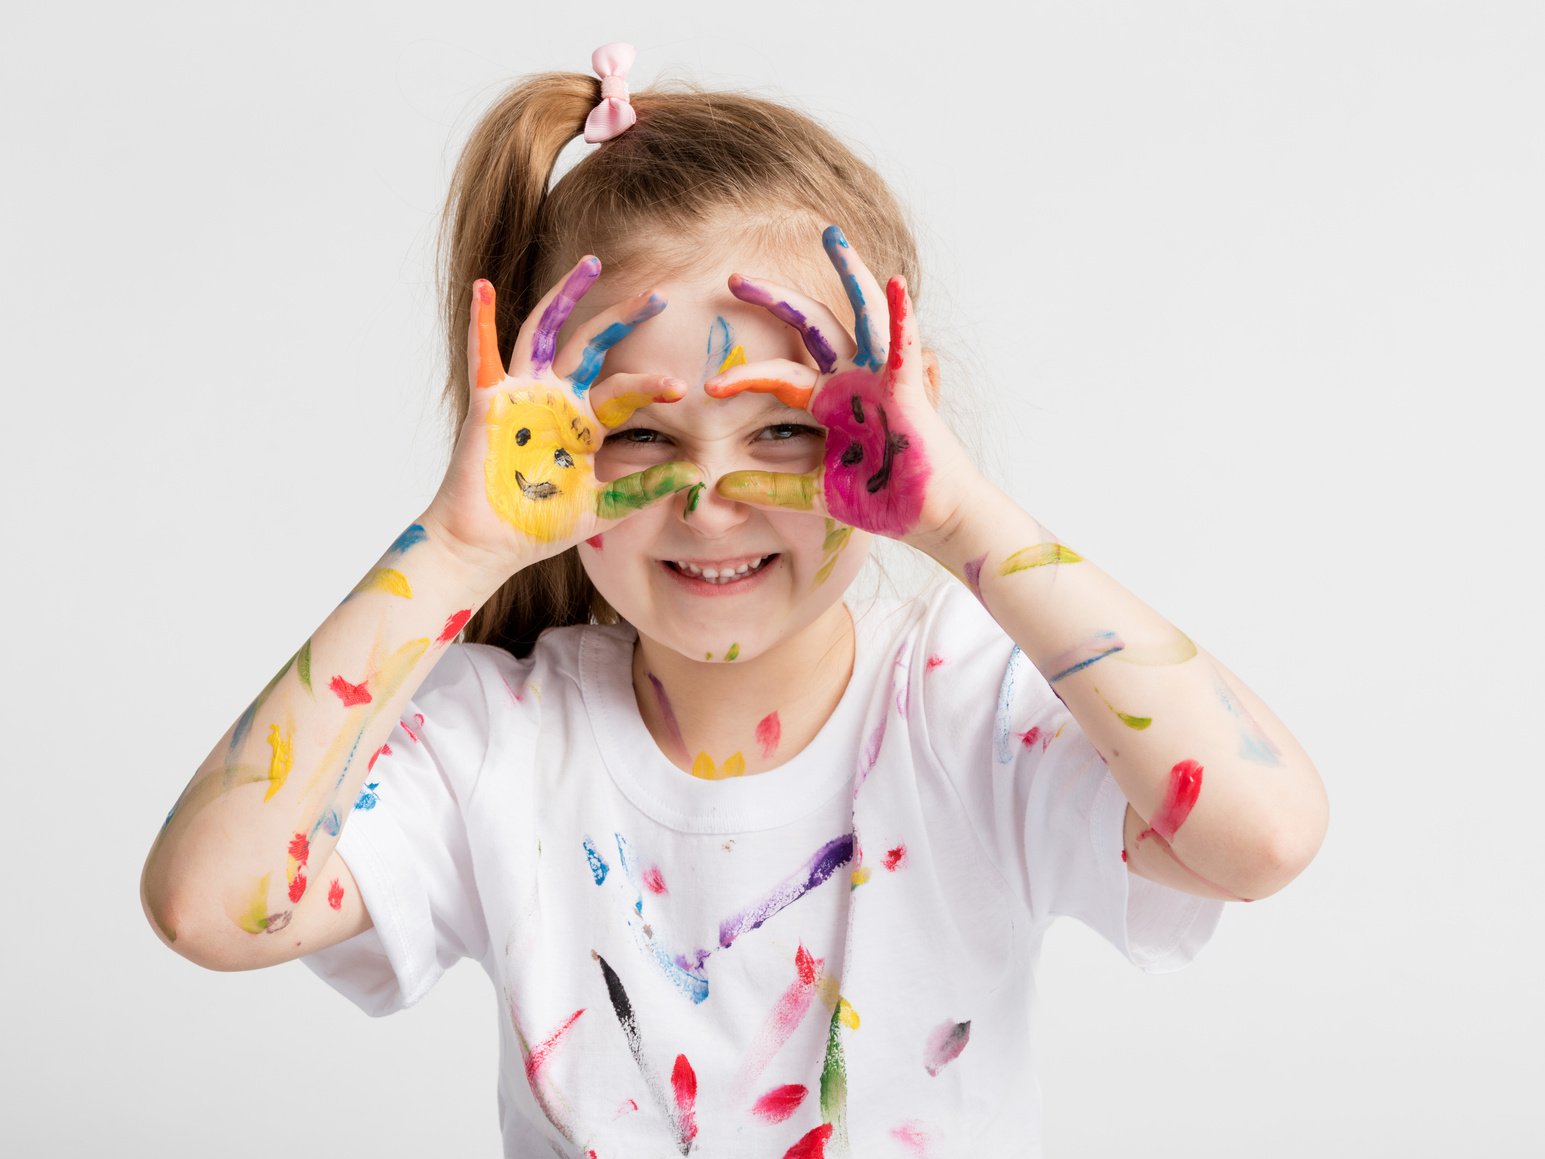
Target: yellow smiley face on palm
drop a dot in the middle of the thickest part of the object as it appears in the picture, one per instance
(538, 459)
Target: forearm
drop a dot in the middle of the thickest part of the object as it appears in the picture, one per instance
(260, 818)
(1221, 783)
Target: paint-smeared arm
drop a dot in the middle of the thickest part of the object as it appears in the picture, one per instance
(1224, 801)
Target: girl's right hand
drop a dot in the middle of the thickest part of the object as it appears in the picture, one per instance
(521, 484)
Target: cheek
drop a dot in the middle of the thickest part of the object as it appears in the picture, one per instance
(615, 559)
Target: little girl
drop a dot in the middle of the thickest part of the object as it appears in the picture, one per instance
(757, 868)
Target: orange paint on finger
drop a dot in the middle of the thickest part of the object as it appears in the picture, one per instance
(490, 369)
(785, 392)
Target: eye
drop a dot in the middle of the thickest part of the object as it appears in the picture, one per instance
(634, 435)
(782, 432)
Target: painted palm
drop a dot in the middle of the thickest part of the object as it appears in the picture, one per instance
(538, 422)
(889, 460)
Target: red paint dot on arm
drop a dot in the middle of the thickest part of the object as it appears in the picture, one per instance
(454, 625)
(335, 895)
(300, 848)
(350, 694)
(298, 887)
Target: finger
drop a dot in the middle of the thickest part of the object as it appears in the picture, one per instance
(863, 295)
(801, 492)
(618, 395)
(538, 337)
(906, 357)
(622, 497)
(817, 325)
(581, 357)
(484, 367)
(790, 382)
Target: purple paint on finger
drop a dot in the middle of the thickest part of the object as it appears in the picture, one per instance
(544, 342)
(815, 342)
(836, 852)
(876, 473)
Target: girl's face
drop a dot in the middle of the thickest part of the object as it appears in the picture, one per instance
(791, 569)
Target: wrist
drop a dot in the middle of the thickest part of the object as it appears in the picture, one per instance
(476, 570)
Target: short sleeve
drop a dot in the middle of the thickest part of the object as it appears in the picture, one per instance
(405, 842)
(1047, 810)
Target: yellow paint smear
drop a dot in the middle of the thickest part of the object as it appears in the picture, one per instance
(388, 580)
(736, 357)
(282, 761)
(254, 917)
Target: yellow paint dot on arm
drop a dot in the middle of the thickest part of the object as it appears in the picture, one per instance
(733, 653)
(281, 762)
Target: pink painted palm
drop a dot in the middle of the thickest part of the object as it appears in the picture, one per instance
(890, 464)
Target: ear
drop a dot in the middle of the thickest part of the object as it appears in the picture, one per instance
(931, 376)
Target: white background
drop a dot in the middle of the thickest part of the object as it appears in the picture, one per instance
(1249, 296)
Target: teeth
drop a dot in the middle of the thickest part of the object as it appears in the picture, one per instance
(715, 575)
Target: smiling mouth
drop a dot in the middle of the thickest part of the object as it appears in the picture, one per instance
(535, 490)
(719, 576)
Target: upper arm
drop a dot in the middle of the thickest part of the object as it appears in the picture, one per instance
(1150, 856)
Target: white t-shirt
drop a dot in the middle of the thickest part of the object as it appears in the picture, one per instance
(836, 956)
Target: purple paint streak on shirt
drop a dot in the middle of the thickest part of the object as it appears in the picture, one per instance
(837, 851)
(544, 343)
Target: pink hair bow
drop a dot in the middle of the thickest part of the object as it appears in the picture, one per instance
(614, 115)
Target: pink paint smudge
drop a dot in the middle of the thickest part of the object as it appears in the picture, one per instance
(383, 751)
(779, 1103)
(453, 625)
(913, 1137)
(654, 881)
(944, 1045)
(780, 1024)
(418, 718)
(769, 731)
(684, 1086)
(350, 694)
(627, 1108)
(539, 1054)
(934, 662)
(896, 858)
(1035, 733)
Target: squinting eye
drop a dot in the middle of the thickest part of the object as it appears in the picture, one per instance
(784, 431)
(634, 435)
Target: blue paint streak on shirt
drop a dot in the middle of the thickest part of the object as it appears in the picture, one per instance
(598, 868)
(367, 798)
(584, 375)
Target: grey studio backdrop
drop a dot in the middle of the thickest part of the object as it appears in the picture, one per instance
(1242, 299)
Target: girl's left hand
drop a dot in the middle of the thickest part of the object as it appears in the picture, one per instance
(890, 464)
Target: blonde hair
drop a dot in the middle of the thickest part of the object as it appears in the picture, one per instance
(655, 200)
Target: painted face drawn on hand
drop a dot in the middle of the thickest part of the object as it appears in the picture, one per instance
(881, 468)
(535, 437)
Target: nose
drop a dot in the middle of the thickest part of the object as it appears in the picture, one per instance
(707, 512)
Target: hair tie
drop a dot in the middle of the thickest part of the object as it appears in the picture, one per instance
(614, 115)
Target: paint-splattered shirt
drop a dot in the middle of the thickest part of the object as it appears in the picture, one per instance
(835, 957)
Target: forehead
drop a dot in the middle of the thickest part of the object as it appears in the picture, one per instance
(703, 323)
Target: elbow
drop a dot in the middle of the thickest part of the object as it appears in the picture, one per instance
(1289, 852)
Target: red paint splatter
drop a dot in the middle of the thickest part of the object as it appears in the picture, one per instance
(1123, 855)
(684, 1085)
(1185, 785)
(896, 858)
(453, 625)
(335, 895)
(769, 731)
(297, 887)
(595, 542)
(805, 964)
(654, 882)
(384, 750)
(1034, 733)
(350, 694)
(300, 848)
(812, 1145)
(627, 1108)
(934, 662)
(779, 1103)
(419, 719)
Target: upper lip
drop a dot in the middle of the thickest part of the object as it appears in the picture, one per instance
(731, 563)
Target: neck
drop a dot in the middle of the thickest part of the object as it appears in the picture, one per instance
(718, 718)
